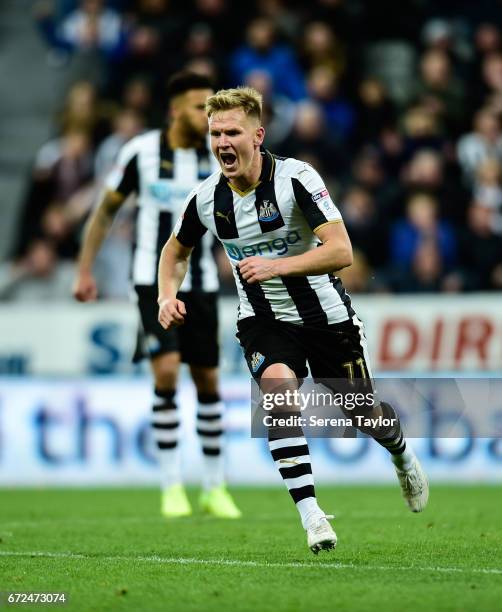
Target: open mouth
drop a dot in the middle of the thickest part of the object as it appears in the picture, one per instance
(228, 159)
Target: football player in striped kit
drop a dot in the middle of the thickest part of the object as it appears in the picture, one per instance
(160, 168)
(285, 239)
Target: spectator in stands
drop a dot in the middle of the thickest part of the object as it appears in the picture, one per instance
(279, 112)
(367, 230)
(323, 87)
(480, 251)
(62, 167)
(375, 111)
(422, 224)
(440, 92)
(93, 34)
(311, 142)
(320, 47)
(126, 124)
(263, 52)
(427, 172)
(37, 275)
(483, 143)
(84, 112)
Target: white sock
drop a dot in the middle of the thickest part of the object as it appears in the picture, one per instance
(405, 459)
(309, 511)
(165, 424)
(210, 431)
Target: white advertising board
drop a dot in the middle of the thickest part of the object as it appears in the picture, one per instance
(413, 334)
(95, 431)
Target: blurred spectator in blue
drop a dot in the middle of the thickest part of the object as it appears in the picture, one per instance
(92, 34)
(483, 143)
(426, 272)
(90, 26)
(422, 224)
(263, 52)
(323, 87)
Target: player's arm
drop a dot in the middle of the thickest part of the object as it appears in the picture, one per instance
(173, 264)
(95, 232)
(325, 221)
(123, 180)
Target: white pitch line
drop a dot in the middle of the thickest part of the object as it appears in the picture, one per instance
(240, 563)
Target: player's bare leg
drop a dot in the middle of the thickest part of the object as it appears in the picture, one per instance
(292, 458)
(166, 425)
(214, 499)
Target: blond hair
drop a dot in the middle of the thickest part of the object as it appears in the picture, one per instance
(246, 98)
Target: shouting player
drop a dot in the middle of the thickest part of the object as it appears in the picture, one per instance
(284, 238)
(161, 167)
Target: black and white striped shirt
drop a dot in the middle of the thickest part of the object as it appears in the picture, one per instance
(162, 178)
(276, 217)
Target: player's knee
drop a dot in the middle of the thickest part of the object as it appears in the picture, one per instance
(205, 380)
(165, 370)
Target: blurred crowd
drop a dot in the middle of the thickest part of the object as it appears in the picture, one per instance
(397, 103)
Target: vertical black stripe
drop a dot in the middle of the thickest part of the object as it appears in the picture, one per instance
(224, 216)
(267, 210)
(130, 177)
(195, 267)
(305, 299)
(166, 158)
(344, 296)
(307, 205)
(191, 230)
(203, 163)
(256, 297)
(163, 232)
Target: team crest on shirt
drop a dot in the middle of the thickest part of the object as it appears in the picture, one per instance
(268, 211)
(256, 360)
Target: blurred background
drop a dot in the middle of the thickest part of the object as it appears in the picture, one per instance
(397, 103)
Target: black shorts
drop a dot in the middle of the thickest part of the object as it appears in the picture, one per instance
(196, 340)
(334, 351)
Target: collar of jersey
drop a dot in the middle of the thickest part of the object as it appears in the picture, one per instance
(266, 175)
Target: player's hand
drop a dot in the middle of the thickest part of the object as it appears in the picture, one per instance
(85, 288)
(256, 269)
(172, 312)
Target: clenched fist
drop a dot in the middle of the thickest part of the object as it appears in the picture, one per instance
(84, 287)
(172, 312)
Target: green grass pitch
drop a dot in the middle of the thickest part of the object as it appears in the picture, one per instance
(109, 549)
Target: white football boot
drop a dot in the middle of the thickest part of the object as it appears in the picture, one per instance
(414, 486)
(320, 534)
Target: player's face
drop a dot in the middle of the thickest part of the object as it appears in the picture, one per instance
(235, 138)
(192, 109)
